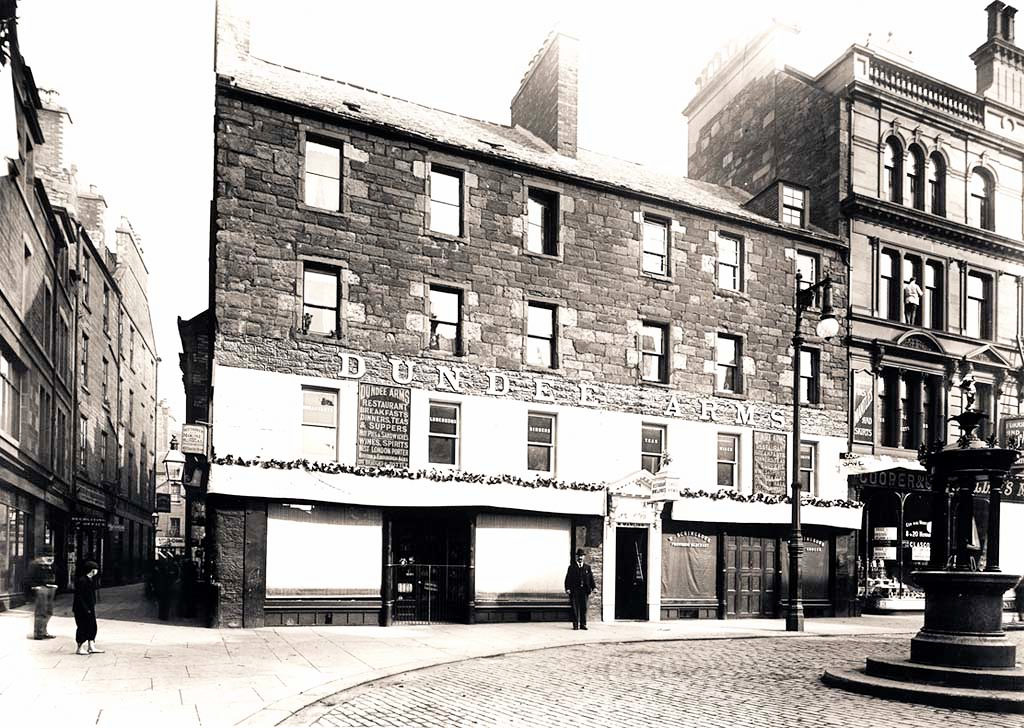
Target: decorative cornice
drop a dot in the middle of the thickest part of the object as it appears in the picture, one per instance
(923, 223)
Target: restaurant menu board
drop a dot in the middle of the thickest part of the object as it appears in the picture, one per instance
(770, 463)
(383, 430)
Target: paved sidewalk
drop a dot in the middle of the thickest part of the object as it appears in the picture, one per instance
(158, 673)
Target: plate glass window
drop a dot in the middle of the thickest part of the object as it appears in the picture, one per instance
(320, 301)
(443, 443)
(728, 460)
(445, 201)
(653, 353)
(540, 335)
(540, 443)
(322, 182)
(794, 204)
(655, 246)
(728, 364)
(319, 424)
(808, 458)
(542, 219)
(652, 447)
(730, 262)
(445, 319)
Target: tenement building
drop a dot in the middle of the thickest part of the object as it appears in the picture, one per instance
(447, 353)
(924, 181)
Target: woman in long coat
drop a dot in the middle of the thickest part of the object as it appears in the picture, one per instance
(84, 608)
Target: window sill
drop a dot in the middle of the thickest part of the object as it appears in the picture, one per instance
(656, 277)
(657, 385)
(729, 293)
(318, 338)
(557, 257)
(730, 395)
(539, 369)
(443, 355)
(445, 237)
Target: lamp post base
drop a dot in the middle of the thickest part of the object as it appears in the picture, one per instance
(795, 619)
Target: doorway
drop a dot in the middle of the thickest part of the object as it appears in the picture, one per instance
(750, 576)
(430, 566)
(631, 573)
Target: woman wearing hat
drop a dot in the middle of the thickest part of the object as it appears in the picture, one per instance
(84, 608)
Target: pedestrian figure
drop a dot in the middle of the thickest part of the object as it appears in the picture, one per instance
(911, 299)
(43, 583)
(579, 583)
(84, 608)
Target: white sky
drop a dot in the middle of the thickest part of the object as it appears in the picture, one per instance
(136, 76)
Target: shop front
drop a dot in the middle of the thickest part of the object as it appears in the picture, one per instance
(15, 540)
(397, 550)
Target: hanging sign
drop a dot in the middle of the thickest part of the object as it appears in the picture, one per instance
(863, 408)
(193, 439)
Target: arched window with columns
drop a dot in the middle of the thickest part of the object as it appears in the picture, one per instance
(937, 184)
(892, 179)
(915, 176)
(980, 200)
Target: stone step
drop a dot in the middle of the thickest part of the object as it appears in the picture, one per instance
(942, 696)
(1010, 679)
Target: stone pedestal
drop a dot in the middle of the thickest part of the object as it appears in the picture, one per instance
(963, 620)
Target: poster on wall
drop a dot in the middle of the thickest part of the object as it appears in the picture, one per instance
(769, 463)
(863, 408)
(688, 565)
(383, 431)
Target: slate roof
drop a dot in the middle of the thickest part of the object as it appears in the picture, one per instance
(510, 143)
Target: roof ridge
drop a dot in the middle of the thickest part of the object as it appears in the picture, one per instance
(380, 93)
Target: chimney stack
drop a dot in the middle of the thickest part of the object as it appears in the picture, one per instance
(545, 104)
(999, 63)
(91, 209)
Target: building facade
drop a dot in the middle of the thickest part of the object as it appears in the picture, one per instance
(925, 181)
(447, 353)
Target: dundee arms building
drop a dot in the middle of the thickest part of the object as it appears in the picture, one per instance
(925, 182)
(448, 352)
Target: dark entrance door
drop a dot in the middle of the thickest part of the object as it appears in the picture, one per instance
(631, 573)
(429, 568)
(750, 576)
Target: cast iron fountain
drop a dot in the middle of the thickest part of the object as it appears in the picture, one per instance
(961, 657)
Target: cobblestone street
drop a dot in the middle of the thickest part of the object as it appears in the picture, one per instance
(749, 683)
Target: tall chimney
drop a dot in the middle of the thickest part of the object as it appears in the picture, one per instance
(999, 63)
(92, 208)
(545, 104)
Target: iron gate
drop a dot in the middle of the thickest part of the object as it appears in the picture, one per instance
(429, 593)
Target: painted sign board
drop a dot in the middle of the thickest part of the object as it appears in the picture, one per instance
(769, 463)
(382, 436)
(194, 439)
(863, 408)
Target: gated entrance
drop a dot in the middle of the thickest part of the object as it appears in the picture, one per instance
(429, 570)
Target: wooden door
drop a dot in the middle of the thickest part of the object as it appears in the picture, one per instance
(750, 576)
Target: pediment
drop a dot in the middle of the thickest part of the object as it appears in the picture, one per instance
(921, 341)
(987, 355)
(638, 484)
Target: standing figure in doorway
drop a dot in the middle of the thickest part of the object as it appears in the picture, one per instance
(43, 584)
(84, 608)
(911, 300)
(579, 583)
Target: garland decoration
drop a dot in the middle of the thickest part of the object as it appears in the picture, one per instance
(373, 471)
(767, 498)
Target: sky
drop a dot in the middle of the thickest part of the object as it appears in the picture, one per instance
(137, 79)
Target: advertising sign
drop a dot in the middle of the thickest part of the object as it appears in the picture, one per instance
(769, 462)
(193, 439)
(163, 502)
(383, 432)
(863, 408)
(885, 533)
(1013, 433)
(884, 552)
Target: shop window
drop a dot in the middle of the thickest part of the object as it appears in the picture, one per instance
(443, 441)
(319, 423)
(728, 460)
(978, 319)
(937, 184)
(892, 180)
(446, 319)
(445, 201)
(321, 287)
(729, 377)
(322, 178)
(980, 202)
(10, 396)
(654, 352)
(808, 466)
(652, 447)
(810, 383)
(656, 246)
(542, 222)
(540, 442)
(541, 350)
(730, 262)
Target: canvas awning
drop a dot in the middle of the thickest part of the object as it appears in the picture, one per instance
(725, 510)
(301, 485)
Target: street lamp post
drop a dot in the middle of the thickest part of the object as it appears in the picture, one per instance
(827, 327)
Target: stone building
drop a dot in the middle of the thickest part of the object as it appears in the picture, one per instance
(449, 352)
(36, 325)
(926, 183)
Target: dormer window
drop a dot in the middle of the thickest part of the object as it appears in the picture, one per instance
(794, 205)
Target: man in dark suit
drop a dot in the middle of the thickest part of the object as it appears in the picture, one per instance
(579, 582)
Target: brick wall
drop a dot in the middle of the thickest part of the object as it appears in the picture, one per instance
(261, 230)
(776, 127)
